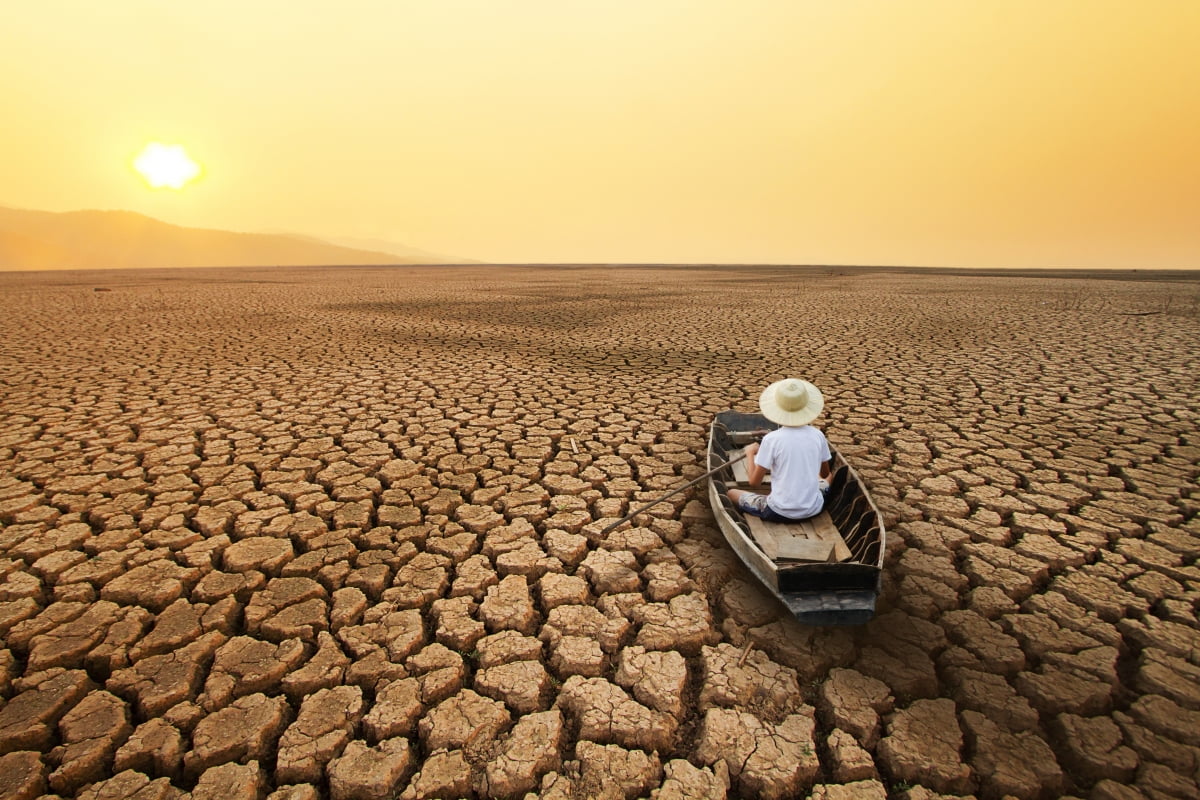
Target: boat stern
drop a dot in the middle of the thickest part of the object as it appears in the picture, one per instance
(832, 608)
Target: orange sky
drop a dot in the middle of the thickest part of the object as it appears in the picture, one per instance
(937, 132)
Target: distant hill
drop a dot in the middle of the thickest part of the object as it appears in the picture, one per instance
(396, 249)
(31, 240)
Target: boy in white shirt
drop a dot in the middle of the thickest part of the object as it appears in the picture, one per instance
(796, 454)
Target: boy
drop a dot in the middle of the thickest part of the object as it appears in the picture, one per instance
(796, 454)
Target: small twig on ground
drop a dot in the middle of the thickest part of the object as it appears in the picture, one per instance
(745, 652)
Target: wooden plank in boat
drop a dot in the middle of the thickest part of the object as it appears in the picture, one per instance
(765, 537)
(772, 535)
(800, 548)
(788, 541)
(824, 529)
(741, 472)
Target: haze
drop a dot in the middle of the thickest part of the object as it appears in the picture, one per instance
(1022, 134)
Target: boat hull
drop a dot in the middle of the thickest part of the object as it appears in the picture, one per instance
(827, 593)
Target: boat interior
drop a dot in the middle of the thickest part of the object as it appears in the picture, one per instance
(847, 532)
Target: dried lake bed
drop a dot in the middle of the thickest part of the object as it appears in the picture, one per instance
(303, 533)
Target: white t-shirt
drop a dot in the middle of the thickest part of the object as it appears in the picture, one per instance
(794, 457)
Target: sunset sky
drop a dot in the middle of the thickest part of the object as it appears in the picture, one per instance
(930, 132)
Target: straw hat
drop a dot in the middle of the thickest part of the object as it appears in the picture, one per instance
(791, 402)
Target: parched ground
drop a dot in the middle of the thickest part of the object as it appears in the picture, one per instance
(333, 533)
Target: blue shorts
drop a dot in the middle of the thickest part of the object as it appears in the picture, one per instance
(756, 505)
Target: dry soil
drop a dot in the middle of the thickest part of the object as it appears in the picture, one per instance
(333, 532)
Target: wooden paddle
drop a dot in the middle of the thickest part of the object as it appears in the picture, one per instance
(670, 494)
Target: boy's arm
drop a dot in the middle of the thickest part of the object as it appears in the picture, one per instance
(826, 471)
(754, 472)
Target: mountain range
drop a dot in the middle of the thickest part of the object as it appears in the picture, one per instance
(41, 240)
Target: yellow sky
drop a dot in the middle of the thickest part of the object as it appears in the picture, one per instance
(938, 132)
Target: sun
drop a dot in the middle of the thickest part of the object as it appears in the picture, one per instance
(166, 165)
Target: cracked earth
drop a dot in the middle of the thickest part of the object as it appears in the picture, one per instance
(296, 534)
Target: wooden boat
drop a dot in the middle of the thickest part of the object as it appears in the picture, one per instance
(826, 570)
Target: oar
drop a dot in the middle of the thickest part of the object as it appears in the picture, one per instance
(670, 494)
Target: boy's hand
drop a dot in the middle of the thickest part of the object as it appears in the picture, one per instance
(755, 474)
